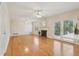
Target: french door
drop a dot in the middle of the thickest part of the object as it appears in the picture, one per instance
(65, 28)
(58, 28)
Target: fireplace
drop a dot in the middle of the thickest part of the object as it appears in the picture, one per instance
(43, 33)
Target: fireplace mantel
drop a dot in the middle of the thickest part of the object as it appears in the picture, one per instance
(43, 28)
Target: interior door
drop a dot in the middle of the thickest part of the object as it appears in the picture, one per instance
(0, 29)
(1, 33)
(4, 28)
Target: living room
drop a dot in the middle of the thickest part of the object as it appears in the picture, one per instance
(39, 28)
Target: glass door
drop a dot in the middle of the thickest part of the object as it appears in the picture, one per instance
(64, 28)
(68, 28)
(58, 28)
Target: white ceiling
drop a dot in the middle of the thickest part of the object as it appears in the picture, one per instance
(24, 10)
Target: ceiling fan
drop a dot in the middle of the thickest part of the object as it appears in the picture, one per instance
(38, 13)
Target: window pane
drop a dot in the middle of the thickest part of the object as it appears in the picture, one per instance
(68, 27)
(57, 28)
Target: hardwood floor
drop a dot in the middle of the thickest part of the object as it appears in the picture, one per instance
(31, 45)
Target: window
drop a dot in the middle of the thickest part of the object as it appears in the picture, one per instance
(64, 28)
(68, 27)
(57, 28)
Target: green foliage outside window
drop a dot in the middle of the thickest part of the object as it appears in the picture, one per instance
(68, 27)
(57, 28)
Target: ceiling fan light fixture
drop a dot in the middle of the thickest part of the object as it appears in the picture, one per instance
(38, 13)
(38, 16)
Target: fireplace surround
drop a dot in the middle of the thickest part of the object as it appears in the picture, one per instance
(43, 33)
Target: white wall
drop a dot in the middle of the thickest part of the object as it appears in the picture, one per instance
(20, 27)
(5, 28)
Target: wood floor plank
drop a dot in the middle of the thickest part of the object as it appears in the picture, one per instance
(32, 45)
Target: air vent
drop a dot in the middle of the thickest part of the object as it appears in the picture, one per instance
(15, 33)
